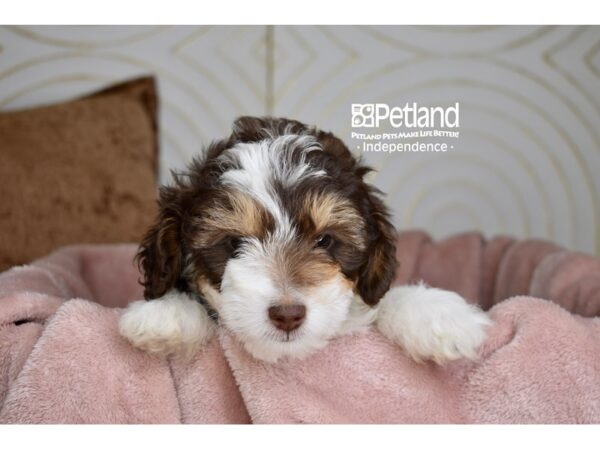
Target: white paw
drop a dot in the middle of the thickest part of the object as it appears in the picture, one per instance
(174, 324)
(432, 324)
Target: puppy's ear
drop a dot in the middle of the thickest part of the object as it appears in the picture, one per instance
(160, 256)
(378, 271)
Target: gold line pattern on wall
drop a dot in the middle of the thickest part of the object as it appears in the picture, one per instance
(530, 105)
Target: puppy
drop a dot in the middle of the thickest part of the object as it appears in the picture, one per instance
(274, 234)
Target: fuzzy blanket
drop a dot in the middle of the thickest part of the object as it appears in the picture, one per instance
(62, 359)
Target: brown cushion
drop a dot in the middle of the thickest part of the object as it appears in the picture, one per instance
(78, 172)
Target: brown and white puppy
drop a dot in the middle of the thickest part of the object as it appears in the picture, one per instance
(274, 234)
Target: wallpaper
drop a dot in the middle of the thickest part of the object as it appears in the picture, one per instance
(527, 159)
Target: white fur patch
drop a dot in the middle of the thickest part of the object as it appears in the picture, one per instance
(172, 325)
(432, 323)
(247, 292)
(261, 163)
(360, 316)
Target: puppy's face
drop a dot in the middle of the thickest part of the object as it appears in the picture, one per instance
(277, 231)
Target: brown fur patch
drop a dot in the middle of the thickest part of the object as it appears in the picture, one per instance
(328, 211)
(233, 213)
(298, 265)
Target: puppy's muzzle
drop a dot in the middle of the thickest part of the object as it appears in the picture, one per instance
(287, 317)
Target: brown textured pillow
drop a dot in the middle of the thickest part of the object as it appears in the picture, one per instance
(78, 172)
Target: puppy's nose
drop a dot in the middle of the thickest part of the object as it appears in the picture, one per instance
(287, 317)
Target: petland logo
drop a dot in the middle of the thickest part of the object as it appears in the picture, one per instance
(373, 115)
(414, 128)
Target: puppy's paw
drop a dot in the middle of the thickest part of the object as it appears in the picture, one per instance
(432, 324)
(173, 325)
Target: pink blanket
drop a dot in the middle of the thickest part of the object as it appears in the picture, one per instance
(62, 359)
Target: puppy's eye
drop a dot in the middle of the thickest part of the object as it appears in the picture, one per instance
(324, 241)
(233, 243)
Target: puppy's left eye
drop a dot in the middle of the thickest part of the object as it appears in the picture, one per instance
(324, 241)
(233, 244)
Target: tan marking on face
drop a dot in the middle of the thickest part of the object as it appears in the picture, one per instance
(329, 211)
(299, 266)
(313, 271)
(210, 294)
(235, 214)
